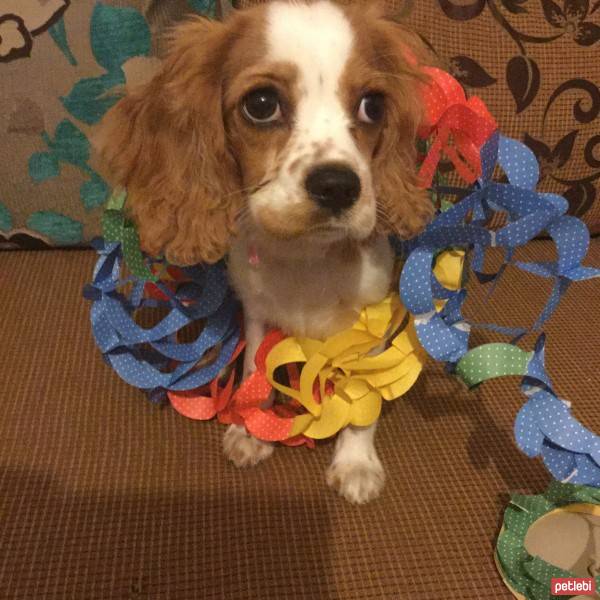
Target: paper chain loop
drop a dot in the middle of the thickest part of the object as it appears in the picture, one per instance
(529, 576)
(346, 386)
(152, 358)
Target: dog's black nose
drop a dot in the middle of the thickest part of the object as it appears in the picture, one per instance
(333, 186)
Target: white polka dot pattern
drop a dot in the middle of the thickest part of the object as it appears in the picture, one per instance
(456, 127)
(152, 358)
(530, 575)
(545, 425)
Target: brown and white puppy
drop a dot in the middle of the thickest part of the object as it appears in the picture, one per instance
(284, 137)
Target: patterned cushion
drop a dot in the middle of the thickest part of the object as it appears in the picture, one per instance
(536, 65)
(62, 65)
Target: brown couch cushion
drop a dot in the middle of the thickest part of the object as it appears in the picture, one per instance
(103, 495)
(536, 66)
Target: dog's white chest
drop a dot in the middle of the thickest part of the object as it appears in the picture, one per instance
(316, 295)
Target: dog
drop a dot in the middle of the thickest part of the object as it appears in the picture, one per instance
(284, 138)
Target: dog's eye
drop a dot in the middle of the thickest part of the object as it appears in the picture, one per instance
(262, 105)
(371, 108)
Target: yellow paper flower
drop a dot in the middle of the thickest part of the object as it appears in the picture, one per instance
(378, 358)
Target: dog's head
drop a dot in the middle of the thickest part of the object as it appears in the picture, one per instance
(296, 119)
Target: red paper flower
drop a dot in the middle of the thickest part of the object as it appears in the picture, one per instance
(244, 407)
(274, 423)
(457, 127)
(210, 400)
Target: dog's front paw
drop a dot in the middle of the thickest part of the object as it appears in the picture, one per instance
(242, 449)
(357, 481)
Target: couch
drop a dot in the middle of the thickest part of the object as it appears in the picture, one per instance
(106, 495)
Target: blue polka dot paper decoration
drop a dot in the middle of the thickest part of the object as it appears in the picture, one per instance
(157, 358)
(545, 426)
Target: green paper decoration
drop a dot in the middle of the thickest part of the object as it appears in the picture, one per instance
(490, 361)
(529, 575)
(116, 227)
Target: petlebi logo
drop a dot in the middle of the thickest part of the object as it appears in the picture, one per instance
(568, 586)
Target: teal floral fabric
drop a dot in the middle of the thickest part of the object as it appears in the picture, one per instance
(65, 64)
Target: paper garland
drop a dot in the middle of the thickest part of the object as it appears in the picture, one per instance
(341, 382)
(332, 389)
(332, 383)
(529, 577)
(545, 426)
(153, 358)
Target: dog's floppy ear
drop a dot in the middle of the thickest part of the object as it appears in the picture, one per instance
(407, 206)
(166, 143)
